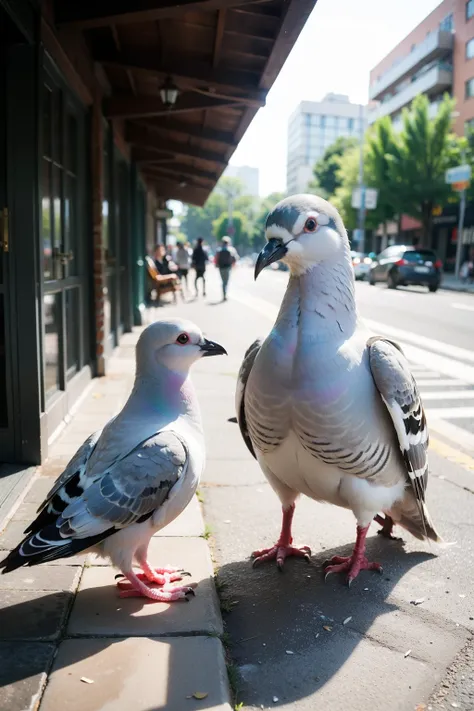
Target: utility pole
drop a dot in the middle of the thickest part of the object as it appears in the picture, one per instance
(230, 219)
(361, 245)
(462, 210)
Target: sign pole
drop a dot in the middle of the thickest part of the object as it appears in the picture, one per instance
(459, 245)
(361, 220)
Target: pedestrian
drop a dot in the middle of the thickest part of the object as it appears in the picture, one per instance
(199, 262)
(226, 258)
(183, 262)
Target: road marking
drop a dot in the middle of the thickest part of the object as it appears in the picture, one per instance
(448, 395)
(462, 307)
(451, 454)
(450, 413)
(426, 382)
(422, 341)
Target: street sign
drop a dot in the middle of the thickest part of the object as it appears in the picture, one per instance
(462, 185)
(460, 174)
(370, 198)
(356, 236)
(161, 214)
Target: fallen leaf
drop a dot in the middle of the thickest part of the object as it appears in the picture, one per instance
(348, 619)
(86, 680)
(407, 653)
(421, 707)
(200, 694)
(327, 628)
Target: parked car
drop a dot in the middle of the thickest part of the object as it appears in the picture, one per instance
(400, 265)
(361, 263)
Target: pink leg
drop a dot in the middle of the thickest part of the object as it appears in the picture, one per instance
(283, 548)
(167, 593)
(352, 565)
(387, 524)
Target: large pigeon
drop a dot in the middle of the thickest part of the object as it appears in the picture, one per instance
(328, 409)
(135, 476)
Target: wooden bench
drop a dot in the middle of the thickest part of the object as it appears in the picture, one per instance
(159, 284)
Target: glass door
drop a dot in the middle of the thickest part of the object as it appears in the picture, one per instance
(63, 212)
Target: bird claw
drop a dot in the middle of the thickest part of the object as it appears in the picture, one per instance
(280, 552)
(352, 565)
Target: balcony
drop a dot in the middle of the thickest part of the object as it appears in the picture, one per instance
(433, 109)
(437, 44)
(434, 81)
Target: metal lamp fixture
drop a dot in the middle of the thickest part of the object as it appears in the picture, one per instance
(169, 93)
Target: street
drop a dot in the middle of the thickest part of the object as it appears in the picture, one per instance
(296, 642)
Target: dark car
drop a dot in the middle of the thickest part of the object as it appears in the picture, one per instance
(403, 266)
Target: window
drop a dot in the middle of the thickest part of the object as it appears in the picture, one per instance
(447, 25)
(469, 9)
(470, 49)
(469, 88)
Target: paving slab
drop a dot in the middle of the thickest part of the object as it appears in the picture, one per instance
(98, 611)
(42, 577)
(28, 615)
(23, 673)
(12, 535)
(40, 489)
(138, 673)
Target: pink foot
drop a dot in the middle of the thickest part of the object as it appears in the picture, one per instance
(280, 552)
(387, 524)
(283, 548)
(167, 593)
(352, 565)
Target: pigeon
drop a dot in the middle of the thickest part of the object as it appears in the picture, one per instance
(135, 476)
(329, 409)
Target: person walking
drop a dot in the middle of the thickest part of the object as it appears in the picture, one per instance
(183, 262)
(226, 258)
(199, 262)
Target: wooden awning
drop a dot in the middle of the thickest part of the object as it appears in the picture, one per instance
(222, 55)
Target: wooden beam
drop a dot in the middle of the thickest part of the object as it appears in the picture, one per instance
(100, 13)
(182, 169)
(142, 138)
(170, 189)
(130, 106)
(219, 36)
(189, 129)
(144, 156)
(239, 85)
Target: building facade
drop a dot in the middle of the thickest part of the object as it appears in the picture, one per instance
(435, 58)
(248, 175)
(101, 122)
(312, 128)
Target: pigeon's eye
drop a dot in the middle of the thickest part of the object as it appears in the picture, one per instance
(182, 339)
(310, 225)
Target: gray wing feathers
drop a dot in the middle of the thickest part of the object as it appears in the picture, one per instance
(242, 380)
(132, 489)
(397, 386)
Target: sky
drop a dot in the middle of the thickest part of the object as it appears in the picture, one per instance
(340, 43)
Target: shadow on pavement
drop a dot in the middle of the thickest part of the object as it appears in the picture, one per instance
(288, 636)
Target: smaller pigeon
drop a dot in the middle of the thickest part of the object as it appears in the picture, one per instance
(135, 476)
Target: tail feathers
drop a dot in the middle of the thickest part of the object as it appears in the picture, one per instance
(414, 517)
(43, 548)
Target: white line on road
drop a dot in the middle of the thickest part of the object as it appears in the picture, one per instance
(462, 307)
(426, 382)
(455, 434)
(450, 413)
(449, 395)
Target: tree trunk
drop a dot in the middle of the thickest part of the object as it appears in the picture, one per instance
(384, 237)
(427, 224)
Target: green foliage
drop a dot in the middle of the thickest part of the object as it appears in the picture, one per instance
(381, 143)
(416, 168)
(326, 172)
(240, 238)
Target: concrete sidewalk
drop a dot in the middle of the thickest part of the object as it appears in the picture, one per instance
(68, 642)
(450, 283)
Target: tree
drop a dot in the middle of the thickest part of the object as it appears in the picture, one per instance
(197, 222)
(257, 231)
(416, 169)
(326, 171)
(381, 144)
(347, 175)
(240, 237)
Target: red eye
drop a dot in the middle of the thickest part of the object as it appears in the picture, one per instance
(182, 339)
(310, 225)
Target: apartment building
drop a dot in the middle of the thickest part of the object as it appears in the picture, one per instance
(314, 126)
(435, 58)
(247, 174)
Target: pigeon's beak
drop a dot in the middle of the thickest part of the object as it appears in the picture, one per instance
(272, 252)
(211, 348)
